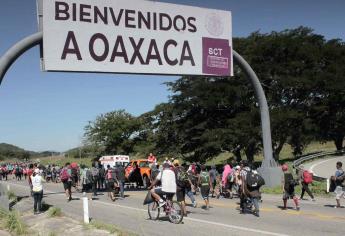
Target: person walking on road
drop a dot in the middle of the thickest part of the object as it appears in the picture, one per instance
(37, 189)
(101, 179)
(121, 177)
(95, 178)
(190, 189)
(181, 182)
(112, 182)
(65, 176)
(86, 180)
(205, 186)
(289, 184)
(213, 177)
(306, 178)
(338, 179)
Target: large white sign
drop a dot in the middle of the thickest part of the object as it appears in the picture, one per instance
(136, 36)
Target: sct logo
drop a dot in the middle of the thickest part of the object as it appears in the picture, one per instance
(215, 51)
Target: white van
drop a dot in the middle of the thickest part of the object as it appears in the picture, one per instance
(114, 160)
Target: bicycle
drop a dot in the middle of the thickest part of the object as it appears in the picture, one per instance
(172, 209)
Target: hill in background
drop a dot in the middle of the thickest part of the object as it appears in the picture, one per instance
(9, 151)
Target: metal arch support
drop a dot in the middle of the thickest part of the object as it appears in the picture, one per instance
(264, 112)
(17, 50)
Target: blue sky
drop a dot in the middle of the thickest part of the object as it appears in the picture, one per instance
(47, 111)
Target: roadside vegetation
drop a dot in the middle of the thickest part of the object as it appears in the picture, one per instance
(54, 212)
(109, 227)
(12, 222)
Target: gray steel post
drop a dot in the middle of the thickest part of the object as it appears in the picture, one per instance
(16, 50)
(264, 112)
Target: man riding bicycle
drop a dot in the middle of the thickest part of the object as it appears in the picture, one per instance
(168, 185)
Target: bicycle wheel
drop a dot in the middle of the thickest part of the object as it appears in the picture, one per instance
(175, 213)
(153, 210)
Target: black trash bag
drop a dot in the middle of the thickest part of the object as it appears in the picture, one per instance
(148, 198)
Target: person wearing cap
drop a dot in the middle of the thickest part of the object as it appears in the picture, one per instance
(168, 181)
(37, 190)
(288, 185)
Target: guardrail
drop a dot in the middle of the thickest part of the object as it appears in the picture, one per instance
(296, 164)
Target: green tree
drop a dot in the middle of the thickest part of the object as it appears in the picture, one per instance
(114, 131)
(328, 107)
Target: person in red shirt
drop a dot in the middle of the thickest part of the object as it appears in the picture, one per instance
(152, 158)
(29, 172)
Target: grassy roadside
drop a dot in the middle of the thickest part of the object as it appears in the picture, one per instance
(12, 222)
(108, 227)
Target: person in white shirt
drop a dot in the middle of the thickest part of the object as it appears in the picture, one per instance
(168, 180)
(37, 189)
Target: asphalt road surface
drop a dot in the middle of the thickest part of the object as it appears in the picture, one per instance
(315, 218)
(325, 167)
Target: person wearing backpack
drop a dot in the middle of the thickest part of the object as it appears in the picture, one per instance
(112, 182)
(101, 180)
(306, 178)
(181, 185)
(121, 177)
(251, 189)
(213, 176)
(86, 180)
(95, 178)
(205, 185)
(65, 176)
(288, 185)
(190, 187)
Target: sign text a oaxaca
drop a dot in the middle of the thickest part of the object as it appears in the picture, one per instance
(136, 36)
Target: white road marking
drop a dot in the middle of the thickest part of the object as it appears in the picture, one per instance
(186, 218)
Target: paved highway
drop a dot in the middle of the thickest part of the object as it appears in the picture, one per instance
(325, 167)
(315, 218)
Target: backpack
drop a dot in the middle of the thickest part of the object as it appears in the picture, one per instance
(64, 176)
(89, 177)
(95, 172)
(181, 177)
(205, 178)
(254, 180)
(290, 182)
(231, 178)
(111, 174)
(74, 172)
(154, 174)
(307, 177)
(101, 172)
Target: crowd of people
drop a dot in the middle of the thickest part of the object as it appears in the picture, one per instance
(172, 179)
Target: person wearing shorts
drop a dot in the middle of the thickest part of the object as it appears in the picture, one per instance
(168, 180)
(111, 182)
(205, 186)
(339, 178)
(67, 184)
(288, 188)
